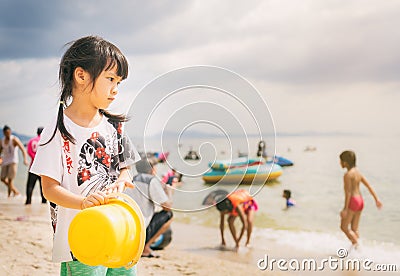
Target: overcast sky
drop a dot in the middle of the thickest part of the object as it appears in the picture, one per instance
(320, 66)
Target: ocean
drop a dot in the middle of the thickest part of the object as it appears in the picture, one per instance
(316, 182)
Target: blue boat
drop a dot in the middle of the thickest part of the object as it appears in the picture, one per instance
(281, 161)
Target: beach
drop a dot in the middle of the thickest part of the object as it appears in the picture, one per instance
(309, 230)
(26, 237)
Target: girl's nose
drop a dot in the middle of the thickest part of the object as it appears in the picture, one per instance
(115, 90)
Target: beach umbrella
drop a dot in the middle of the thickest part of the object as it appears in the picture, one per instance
(214, 197)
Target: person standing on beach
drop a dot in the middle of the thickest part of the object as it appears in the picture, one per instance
(353, 203)
(84, 155)
(32, 178)
(261, 151)
(9, 149)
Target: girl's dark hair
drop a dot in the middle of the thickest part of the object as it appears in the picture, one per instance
(94, 55)
(224, 205)
(349, 157)
(287, 194)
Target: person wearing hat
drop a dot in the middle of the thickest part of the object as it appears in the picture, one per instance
(148, 193)
(32, 178)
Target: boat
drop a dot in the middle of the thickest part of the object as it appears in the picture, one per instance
(281, 161)
(192, 155)
(242, 171)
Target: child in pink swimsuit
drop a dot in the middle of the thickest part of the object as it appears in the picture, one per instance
(354, 203)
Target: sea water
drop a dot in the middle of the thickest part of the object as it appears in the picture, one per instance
(316, 182)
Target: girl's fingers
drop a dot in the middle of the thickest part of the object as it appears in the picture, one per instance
(92, 201)
(98, 198)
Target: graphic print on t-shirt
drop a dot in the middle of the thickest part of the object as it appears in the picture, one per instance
(98, 163)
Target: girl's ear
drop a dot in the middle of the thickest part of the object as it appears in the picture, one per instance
(81, 77)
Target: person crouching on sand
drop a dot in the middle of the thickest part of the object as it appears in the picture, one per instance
(238, 204)
(148, 193)
(354, 203)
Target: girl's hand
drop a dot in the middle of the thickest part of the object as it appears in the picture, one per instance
(379, 204)
(95, 199)
(118, 186)
(343, 213)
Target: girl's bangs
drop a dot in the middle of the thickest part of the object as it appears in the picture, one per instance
(122, 65)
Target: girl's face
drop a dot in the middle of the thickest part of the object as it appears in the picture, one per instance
(105, 89)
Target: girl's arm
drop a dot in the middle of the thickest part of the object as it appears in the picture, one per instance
(244, 223)
(57, 194)
(231, 221)
(347, 194)
(347, 191)
(222, 227)
(372, 192)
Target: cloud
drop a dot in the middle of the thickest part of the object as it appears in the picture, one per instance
(305, 57)
(302, 42)
(40, 28)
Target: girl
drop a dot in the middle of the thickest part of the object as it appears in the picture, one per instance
(353, 203)
(237, 204)
(83, 155)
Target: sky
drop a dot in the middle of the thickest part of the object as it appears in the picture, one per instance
(315, 66)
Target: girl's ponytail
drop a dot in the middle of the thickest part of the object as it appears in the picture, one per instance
(60, 126)
(120, 118)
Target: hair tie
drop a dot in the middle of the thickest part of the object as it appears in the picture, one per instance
(61, 102)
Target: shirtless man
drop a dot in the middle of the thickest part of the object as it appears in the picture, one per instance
(9, 148)
(354, 203)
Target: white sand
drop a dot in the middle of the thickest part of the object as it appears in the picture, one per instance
(26, 242)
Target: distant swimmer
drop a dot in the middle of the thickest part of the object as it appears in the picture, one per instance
(353, 203)
(287, 194)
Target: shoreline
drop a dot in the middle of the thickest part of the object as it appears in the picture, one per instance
(194, 249)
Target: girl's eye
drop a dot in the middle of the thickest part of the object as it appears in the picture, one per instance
(111, 78)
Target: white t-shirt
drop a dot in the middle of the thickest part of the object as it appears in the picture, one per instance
(10, 152)
(147, 195)
(91, 164)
